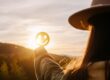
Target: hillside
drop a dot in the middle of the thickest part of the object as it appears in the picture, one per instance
(16, 62)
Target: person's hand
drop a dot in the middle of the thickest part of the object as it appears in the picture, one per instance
(41, 51)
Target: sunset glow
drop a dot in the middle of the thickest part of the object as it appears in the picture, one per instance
(32, 43)
(23, 19)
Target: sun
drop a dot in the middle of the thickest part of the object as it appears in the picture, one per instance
(31, 39)
(32, 44)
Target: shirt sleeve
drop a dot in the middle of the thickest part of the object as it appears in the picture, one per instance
(50, 70)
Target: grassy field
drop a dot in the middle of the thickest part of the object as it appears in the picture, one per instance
(16, 62)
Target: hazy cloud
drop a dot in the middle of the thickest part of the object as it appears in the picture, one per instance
(18, 17)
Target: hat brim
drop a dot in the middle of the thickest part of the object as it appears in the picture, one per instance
(79, 20)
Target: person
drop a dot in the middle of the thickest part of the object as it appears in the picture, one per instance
(95, 64)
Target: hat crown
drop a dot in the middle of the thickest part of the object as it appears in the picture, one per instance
(100, 2)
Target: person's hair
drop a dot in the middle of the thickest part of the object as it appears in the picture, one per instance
(98, 48)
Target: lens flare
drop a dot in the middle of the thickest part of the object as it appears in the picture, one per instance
(42, 39)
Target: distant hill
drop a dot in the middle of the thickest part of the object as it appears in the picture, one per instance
(16, 62)
(7, 48)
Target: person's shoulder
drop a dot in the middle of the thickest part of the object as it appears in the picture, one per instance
(98, 64)
(96, 70)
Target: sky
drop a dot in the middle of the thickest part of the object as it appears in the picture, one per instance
(21, 20)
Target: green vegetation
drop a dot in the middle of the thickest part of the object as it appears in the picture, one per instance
(16, 62)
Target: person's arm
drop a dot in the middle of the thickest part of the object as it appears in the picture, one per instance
(45, 66)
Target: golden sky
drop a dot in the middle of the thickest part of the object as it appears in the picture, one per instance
(21, 20)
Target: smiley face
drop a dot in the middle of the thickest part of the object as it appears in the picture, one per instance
(42, 39)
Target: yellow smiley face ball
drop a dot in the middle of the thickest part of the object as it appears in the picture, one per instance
(42, 38)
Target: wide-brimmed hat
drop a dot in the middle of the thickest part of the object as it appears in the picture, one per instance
(79, 19)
